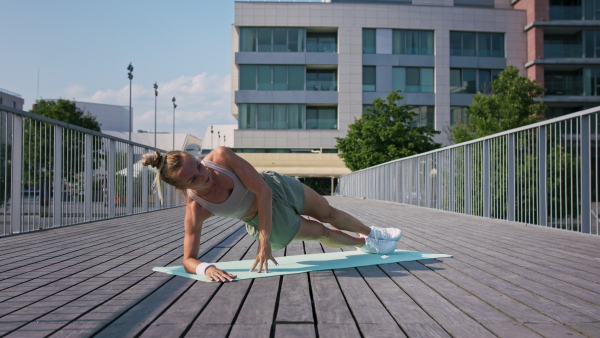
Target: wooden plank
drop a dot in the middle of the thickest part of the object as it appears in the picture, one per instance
(295, 330)
(295, 304)
(250, 331)
(209, 330)
(338, 330)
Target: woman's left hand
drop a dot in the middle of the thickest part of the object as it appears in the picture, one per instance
(263, 256)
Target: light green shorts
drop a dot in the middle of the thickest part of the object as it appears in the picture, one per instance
(288, 205)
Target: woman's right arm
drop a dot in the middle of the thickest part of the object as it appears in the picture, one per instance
(195, 215)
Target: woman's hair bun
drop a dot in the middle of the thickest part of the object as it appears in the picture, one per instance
(152, 159)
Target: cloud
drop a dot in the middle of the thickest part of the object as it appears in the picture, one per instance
(202, 99)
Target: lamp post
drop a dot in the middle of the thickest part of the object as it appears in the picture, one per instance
(219, 136)
(212, 145)
(130, 76)
(225, 140)
(155, 97)
(174, 106)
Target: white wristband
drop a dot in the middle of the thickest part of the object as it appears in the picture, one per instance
(201, 268)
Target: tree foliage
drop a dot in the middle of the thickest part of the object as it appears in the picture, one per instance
(383, 134)
(38, 142)
(511, 105)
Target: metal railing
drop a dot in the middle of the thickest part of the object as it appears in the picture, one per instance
(543, 174)
(54, 174)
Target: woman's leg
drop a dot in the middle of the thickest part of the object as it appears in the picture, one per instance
(317, 206)
(315, 231)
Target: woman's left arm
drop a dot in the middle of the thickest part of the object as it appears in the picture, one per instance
(264, 196)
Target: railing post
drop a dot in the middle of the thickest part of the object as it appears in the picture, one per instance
(586, 181)
(427, 177)
(451, 201)
(511, 177)
(438, 181)
(468, 179)
(486, 178)
(87, 183)
(112, 171)
(130, 178)
(58, 172)
(16, 183)
(145, 189)
(542, 179)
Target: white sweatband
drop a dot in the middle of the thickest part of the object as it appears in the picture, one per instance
(201, 268)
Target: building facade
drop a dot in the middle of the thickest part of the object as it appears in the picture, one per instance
(563, 52)
(10, 99)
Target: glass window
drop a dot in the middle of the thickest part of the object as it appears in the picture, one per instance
(497, 45)
(264, 116)
(279, 77)
(321, 118)
(399, 78)
(247, 77)
(295, 39)
(321, 79)
(321, 42)
(412, 42)
(425, 116)
(369, 41)
(485, 44)
(264, 78)
(455, 43)
(247, 39)
(486, 77)
(426, 43)
(368, 79)
(567, 10)
(463, 81)
(247, 116)
(295, 116)
(412, 79)
(469, 43)
(279, 116)
(295, 77)
(458, 115)
(280, 39)
(264, 40)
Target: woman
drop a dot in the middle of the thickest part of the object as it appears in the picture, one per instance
(224, 184)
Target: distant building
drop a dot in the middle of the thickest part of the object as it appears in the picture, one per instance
(10, 99)
(111, 117)
(218, 135)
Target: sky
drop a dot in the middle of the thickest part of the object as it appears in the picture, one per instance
(81, 50)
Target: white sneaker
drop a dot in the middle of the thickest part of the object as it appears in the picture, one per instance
(388, 234)
(382, 247)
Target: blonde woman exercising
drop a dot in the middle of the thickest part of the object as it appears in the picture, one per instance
(224, 184)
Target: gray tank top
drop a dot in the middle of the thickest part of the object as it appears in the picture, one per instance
(238, 202)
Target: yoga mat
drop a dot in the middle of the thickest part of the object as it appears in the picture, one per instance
(303, 263)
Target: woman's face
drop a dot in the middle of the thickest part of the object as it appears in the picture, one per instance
(193, 175)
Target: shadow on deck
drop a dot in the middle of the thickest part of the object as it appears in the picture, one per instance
(505, 279)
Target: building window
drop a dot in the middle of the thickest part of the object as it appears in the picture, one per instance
(321, 42)
(369, 41)
(563, 45)
(591, 41)
(459, 115)
(425, 116)
(369, 78)
(321, 79)
(474, 3)
(591, 10)
(412, 79)
(412, 42)
(271, 77)
(0, 100)
(471, 81)
(486, 77)
(286, 116)
(14, 104)
(321, 118)
(565, 82)
(269, 39)
(567, 9)
(476, 44)
(463, 81)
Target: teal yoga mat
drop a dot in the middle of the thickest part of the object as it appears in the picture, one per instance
(303, 263)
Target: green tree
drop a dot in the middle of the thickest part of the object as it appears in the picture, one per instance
(383, 134)
(510, 105)
(38, 144)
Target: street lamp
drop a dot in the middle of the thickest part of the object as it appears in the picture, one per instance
(130, 76)
(219, 135)
(174, 106)
(225, 140)
(155, 97)
(211, 138)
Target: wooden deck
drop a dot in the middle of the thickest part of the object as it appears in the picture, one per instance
(505, 279)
